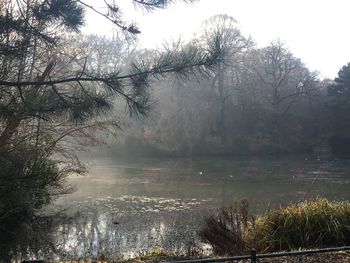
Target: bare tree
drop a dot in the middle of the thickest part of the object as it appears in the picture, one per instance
(224, 30)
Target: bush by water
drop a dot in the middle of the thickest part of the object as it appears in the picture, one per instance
(311, 224)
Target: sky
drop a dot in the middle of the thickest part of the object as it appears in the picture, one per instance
(316, 31)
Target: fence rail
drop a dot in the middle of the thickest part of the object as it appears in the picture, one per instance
(254, 256)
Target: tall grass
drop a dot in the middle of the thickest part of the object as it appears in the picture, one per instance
(311, 224)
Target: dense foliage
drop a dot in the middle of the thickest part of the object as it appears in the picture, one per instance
(30, 180)
(339, 107)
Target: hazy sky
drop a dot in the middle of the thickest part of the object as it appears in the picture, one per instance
(314, 30)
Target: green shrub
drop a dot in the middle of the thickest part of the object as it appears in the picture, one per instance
(28, 180)
(311, 224)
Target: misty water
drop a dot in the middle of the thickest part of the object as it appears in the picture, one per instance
(126, 207)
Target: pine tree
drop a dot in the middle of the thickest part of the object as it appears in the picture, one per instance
(48, 93)
(339, 108)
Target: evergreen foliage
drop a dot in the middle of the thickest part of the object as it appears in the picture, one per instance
(339, 93)
(55, 92)
(339, 108)
(29, 181)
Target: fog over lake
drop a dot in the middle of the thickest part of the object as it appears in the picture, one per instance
(125, 207)
(128, 132)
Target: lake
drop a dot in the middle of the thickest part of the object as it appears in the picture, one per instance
(124, 207)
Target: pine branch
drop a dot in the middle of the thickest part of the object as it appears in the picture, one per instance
(153, 4)
(132, 86)
(115, 10)
(157, 70)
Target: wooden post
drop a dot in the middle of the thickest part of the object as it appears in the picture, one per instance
(253, 255)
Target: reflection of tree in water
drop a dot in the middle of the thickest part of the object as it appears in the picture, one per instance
(100, 229)
(94, 235)
(24, 237)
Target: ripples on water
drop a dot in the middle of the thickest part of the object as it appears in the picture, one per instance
(125, 226)
(124, 208)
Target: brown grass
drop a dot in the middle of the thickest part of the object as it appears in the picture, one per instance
(311, 224)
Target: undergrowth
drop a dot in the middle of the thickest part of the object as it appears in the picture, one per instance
(226, 229)
(311, 224)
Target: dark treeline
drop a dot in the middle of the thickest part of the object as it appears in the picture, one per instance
(258, 101)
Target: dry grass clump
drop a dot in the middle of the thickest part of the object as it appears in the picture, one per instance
(311, 224)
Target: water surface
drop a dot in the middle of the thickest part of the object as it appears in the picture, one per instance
(125, 207)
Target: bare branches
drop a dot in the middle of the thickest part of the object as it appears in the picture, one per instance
(280, 75)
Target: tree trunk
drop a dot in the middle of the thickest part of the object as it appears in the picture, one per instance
(7, 133)
(222, 128)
